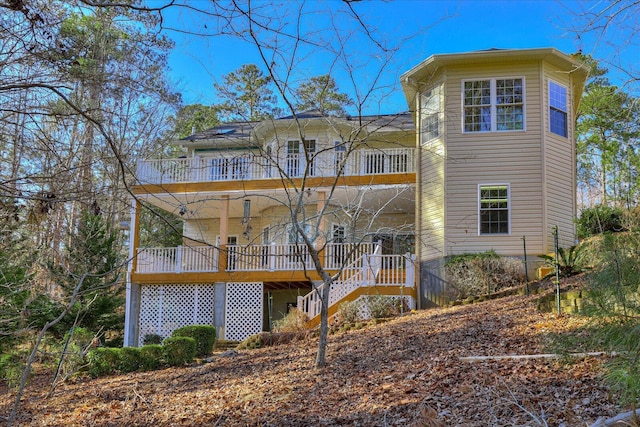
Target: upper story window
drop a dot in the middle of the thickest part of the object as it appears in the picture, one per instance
(493, 209)
(557, 109)
(430, 116)
(493, 105)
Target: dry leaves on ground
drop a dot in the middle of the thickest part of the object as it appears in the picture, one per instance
(403, 372)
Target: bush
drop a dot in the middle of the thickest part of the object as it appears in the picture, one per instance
(178, 351)
(294, 321)
(204, 335)
(152, 339)
(349, 312)
(481, 273)
(129, 359)
(251, 342)
(11, 367)
(103, 361)
(381, 306)
(150, 357)
(599, 219)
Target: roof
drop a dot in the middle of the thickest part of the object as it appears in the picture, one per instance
(426, 68)
(232, 133)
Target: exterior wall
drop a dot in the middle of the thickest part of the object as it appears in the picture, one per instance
(508, 157)
(559, 168)
(277, 308)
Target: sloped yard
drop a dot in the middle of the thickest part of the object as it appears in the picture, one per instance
(403, 372)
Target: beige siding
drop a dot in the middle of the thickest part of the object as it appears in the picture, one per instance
(559, 167)
(513, 158)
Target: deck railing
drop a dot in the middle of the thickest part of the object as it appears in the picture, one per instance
(180, 259)
(253, 166)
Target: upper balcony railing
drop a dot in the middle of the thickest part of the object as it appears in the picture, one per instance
(226, 167)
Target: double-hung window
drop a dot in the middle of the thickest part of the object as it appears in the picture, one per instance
(493, 105)
(430, 119)
(493, 209)
(557, 109)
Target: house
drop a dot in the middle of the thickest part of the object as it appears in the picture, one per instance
(485, 158)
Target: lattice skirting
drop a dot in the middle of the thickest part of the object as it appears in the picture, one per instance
(243, 310)
(164, 308)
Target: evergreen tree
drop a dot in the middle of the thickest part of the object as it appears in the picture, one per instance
(246, 95)
(321, 93)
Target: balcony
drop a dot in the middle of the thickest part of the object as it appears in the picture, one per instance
(226, 167)
(272, 257)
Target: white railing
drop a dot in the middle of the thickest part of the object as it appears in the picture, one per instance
(252, 166)
(369, 270)
(177, 260)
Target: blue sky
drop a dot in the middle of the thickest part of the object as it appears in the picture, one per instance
(441, 27)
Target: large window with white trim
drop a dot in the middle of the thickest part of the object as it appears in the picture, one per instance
(557, 109)
(430, 116)
(493, 105)
(493, 209)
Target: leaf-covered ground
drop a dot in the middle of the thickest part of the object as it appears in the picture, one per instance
(403, 372)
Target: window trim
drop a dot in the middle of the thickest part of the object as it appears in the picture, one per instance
(493, 106)
(479, 206)
(565, 111)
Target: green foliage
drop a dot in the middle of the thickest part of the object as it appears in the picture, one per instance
(349, 312)
(204, 335)
(11, 366)
(129, 359)
(294, 321)
(152, 339)
(251, 343)
(150, 357)
(94, 250)
(599, 219)
(103, 361)
(196, 117)
(247, 95)
(569, 261)
(615, 280)
(159, 228)
(321, 93)
(382, 306)
(474, 274)
(178, 351)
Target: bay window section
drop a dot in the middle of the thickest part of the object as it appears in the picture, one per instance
(493, 105)
(557, 109)
(493, 217)
(430, 116)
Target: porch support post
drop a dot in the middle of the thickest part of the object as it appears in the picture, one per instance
(132, 298)
(224, 233)
(322, 226)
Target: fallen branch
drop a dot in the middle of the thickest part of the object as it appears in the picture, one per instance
(617, 419)
(537, 356)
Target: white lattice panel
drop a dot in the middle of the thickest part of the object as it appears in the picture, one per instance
(243, 310)
(164, 308)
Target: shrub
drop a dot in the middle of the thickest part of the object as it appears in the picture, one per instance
(252, 342)
(128, 359)
(152, 339)
(381, 306)
(599, 219)
(349, 312)
(150, 357)
(103, 361)
(481, 273)
(178, 351)
(204, 335)
(11, 367)
(294, 321)
(569, 261)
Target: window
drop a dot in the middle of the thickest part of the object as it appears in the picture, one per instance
(339, 158)
(296, 158)
(493, 209)
(493, 105)
(430, 117)
(557, 109)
